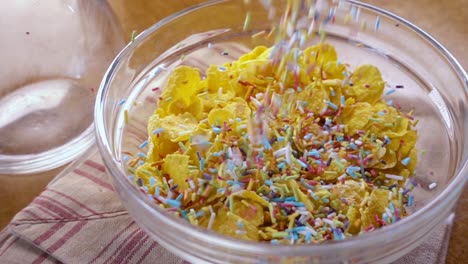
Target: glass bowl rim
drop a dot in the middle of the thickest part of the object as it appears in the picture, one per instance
(375, 237)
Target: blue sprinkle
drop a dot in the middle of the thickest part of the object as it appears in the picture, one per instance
(352, 145)
(141, 162)
(268, 182)
(173, 203)
(295, 236)
(126, 158)
(302, 164)
(280, 139)
(144, 144)
(339, 138)
(266, 143)
(351, 171)
(152, 181)
(392, 209)
(274, 241)
(385, 217)
(220, 190)
(308, 237)
(308, 136)
(184, 214)
(216, 130)
(406, 161)
(381, 113)
(343, 101)
(332, 92)
(179, 197)
(213, 170)
(290, 199)
(314, 153)
(377, 23)
(299, 228)
(410, 200)
(157, 192)
(200, 213)
(390, 102)
(281, 165)
(332, 105)
(328, 121)
(310, 187)
(202, 164)
(222, 69)
(122, 102)
(142, 155)
(158, 131)
(389, 92)
(210, 45)
(131, 177)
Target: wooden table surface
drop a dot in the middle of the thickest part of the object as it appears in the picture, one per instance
(445, 20)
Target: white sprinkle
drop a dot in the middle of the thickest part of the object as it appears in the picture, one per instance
(255, 101)
(329, 222)
(212, 218)
(394, 177)
(432, 185)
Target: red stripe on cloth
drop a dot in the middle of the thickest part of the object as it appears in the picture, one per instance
(129, 247)
(73, 200)
(52, 207)
(47, 234)
(32, 214)
(135, 250)
(75, 229)
(7, 247)
(94, 179)
(95, 165)
(6, 237)
(111, 242)
(121, 245)
(52, 215)
(40, 258)
(150, 248)
(69, 209)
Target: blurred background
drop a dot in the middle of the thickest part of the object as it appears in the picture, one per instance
(444, 20)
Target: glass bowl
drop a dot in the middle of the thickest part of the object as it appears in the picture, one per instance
(435, 87)
(52, 65)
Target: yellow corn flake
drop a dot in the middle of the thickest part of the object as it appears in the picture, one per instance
(253, 196)
(378, 201)
(352, 193)
(356, 116)
(368, 84)
(320, 54)
(176, 166)
(227, 223)
(174, 127)
(217, 117)
(184, 79)
(239, 108)
(407, 143)
(250, 211)
(354, 218)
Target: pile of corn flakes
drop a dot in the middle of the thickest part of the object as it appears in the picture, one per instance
(284, 152)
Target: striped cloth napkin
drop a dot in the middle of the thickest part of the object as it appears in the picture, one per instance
(79, 219)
